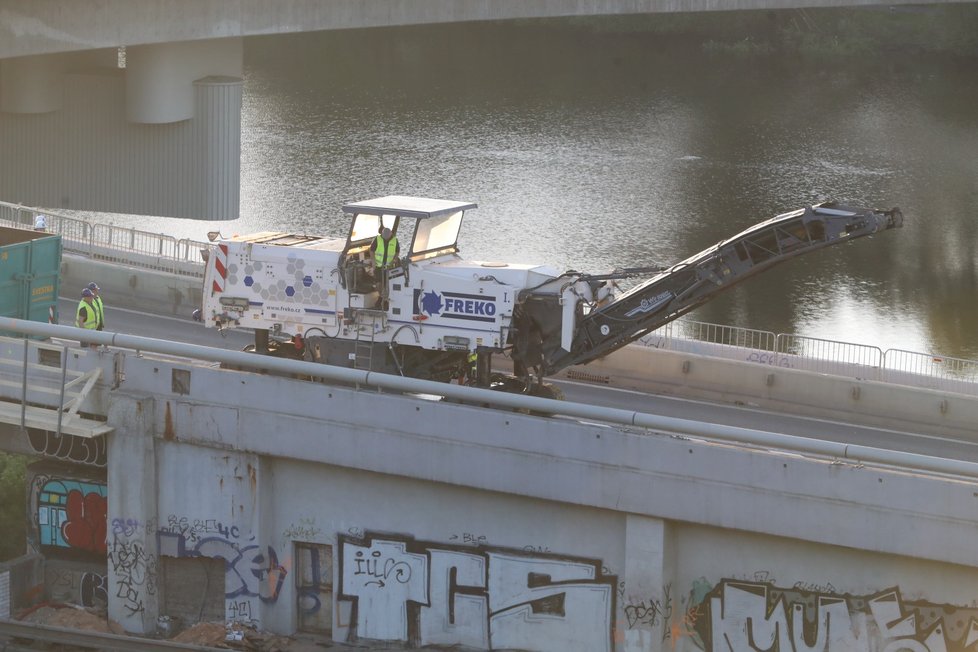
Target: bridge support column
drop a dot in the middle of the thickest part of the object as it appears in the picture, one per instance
(160, 77)
(133, 558)
(648, 603)
(32, 84)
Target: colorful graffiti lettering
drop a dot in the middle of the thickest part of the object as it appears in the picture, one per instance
(487, 598)
(71, 515)
(738, 615)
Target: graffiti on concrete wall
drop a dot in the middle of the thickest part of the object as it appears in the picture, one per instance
(649, 612)
(253, 574)
(134, 572)
(68, 448)
(483, 597)
(741, 615)
(70, 515)
(87, 588)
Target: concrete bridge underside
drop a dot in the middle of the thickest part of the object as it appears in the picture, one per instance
(28, 27)
(161, 136)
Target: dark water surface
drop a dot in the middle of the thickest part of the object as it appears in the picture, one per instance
(593, 149)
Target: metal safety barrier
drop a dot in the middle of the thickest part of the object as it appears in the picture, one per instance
(825, 356)
(895, 366)
(108, 242)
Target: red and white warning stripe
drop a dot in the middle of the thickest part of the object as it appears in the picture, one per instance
(51, 319)
(221, 267)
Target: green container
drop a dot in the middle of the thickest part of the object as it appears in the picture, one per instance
(30, 274)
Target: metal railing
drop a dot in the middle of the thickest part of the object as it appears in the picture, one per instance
(114, 243)
(894, 366)
(826, 356)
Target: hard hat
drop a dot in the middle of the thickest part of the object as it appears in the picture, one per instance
(87, 293)
(93, 286)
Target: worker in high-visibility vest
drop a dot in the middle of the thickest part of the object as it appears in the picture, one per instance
(86, 315)
(385, 249)
(97, 302)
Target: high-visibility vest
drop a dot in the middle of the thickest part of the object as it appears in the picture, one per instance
(99, 311)
(385, 251)
(90, 323)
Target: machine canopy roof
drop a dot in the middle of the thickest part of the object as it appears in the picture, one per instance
(417, 207)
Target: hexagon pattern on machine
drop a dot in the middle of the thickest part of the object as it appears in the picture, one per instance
(304, 288)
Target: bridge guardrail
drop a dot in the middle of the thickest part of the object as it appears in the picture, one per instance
(114, 243)
(825, 356)
(895, 366)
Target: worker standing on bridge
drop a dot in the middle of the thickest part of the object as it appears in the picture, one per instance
(86, 315)
(97, 302)
(385, 249)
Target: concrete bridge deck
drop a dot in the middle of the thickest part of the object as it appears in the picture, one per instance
(369, 515)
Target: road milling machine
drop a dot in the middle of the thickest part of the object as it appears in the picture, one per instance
(434, 315)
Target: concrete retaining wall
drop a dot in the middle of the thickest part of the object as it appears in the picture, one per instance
(370, 517)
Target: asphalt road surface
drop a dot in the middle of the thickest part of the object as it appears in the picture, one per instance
(184, 330)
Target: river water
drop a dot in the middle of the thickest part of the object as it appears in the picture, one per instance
(594, 149)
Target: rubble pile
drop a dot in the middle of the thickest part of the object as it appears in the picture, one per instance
(72, 617)
(230, 636)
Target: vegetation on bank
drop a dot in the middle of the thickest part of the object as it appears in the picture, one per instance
(13, 505)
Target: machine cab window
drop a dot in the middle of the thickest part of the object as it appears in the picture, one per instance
(424, 228)
(366, 226)
(436, 224)
(436, 235)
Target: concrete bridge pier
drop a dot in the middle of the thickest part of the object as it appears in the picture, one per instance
(132, 580)
(161, 136)
(160, 77)
(32, 84)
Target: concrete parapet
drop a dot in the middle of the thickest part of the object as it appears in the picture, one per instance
(132, 287)
(807, 393)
